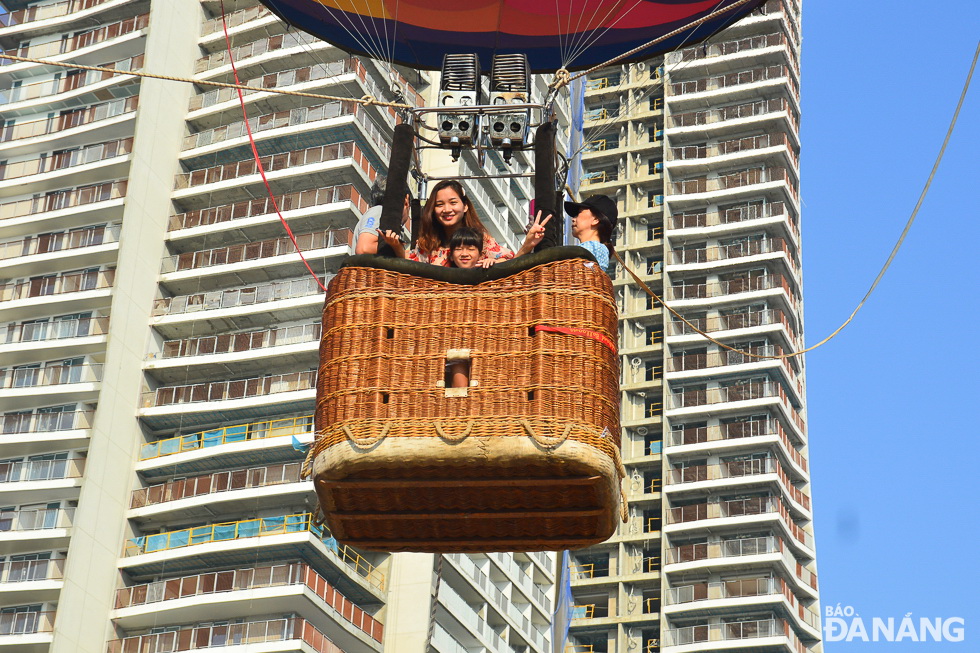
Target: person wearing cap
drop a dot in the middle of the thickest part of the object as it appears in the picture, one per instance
(593, 223)
(366, 235)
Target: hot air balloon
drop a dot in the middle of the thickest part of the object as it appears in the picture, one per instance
(525, 455)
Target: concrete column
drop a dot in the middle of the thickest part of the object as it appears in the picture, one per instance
(100, 527)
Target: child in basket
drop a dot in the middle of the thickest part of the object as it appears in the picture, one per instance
(466, 249)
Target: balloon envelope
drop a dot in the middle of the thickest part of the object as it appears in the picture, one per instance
(553, 33)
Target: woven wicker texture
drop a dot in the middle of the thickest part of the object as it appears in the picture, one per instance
(528, 459)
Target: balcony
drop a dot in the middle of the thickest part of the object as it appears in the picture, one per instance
(738, 284)
(225, 532)
(735, 432)
(234, 19)
(40, 470)
(28, 622)
(252, 252)
(697, 121)
(39, 377)
(223, 586)
(295, 633)
(77, 87)
(741, 508)
(26, 432)
(736, 180)
(302, 209)
(49, 335)
(33, 529)
(34, 581)
(303, 126)
(78, 41)
(728, 48)
(738, 391)
(745, 635)
(739, 469)
(67, 208)
(257, 305)
(727, 554)
(744, 320)
(63, 161)
(735, 80)
(202, 403)
(242, 53)
(69, 129)
(715, 254)
(734, 218)
(239, 342)
(39, 254)
(216, 486)
(230, 390)
(37, 14)
(765, 590)
(219, 182)
(701, 157)
(239, 433)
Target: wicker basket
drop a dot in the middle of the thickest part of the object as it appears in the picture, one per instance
(524, 458)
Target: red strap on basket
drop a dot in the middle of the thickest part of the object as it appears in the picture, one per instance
(586, 333)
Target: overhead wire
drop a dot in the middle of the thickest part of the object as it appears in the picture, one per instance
(881, 273)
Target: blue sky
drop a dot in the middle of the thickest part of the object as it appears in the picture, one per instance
(893, 436)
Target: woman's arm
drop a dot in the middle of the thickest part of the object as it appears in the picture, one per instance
(535, 234)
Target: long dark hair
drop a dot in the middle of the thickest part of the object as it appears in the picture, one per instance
(431, 233)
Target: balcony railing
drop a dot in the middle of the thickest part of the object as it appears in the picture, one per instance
(69, 159)
(258, 250)
(711, 50)
(238, 342)
(44, 12)
(744, 320)
(296, 573)
(260, 386)
(271, 163)
(736, 630)
(26, 423)
(751, 211)
(735, 112)
(30, 571)
(747, 144)
(226, 481)
(193, 638)
(737, 392)
(53, 330)
(732, 286)
(38, 377)
(228, 434)
(41, 470)
(739, 508)
(246, 528)
(725, 549)
(736, 180)
(735, 430)
(76, 118)
(736, 79)
(739, 469)
(281, 79)
(287, 118)
(234, 19)
(736, 250)
(12, 520)
(234, 297)
(73, 80)
(255, 48)
(263, 206)
(79, 41)
(58, 242)
(26, 623)
(64, 199)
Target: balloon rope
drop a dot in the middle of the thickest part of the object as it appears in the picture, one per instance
(867, 295)
(258, 159)
(366, 100)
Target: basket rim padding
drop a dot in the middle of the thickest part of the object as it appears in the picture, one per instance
(472, 276)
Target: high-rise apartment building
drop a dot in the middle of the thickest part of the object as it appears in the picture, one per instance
(701, 151)
(158, 346)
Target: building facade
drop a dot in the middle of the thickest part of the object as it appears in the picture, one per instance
(158, 346)
(701, 151)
